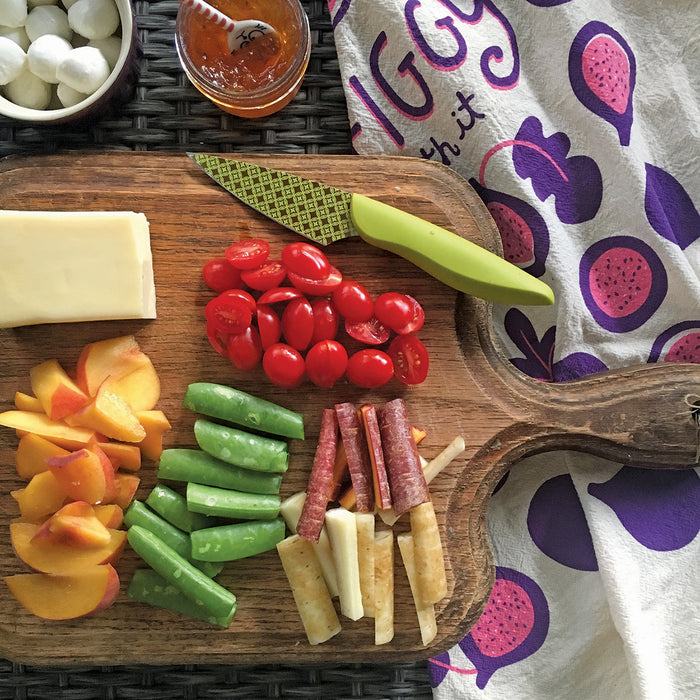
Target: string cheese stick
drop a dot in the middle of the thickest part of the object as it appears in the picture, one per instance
(425, 611)
(383, 587)
(342, 532)
(365, 556)
(430, 562)
(309, 589)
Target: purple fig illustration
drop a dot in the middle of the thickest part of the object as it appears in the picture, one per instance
(669, 209)
(524, 233)
(658, 507)
(602, 72)
(557, 524)
(623, 282)
(513, 626)
(679, 343)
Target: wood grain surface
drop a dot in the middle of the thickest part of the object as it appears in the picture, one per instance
(636, 416)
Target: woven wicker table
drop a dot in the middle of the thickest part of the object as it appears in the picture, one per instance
(167, 114)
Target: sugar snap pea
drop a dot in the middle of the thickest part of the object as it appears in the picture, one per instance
(172, 506)
(226, 503)
(237, 540)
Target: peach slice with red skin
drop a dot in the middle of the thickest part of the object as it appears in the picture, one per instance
(32, 453)
(58, 597)
(74, 524)
(57, 392)
(85, 475)
(110, 515)
(42, 496)
(58, 558)
(111, 416)
(126, 486)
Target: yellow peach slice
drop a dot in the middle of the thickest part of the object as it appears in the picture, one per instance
(69, 437)
(111, 416)
(126, 486)
(42, 496)
(110, 515)
(75, 524)
(155, 424)
(56, 391)
(85, 475)
(26, 402)
(122, 455)
(140, 388)
(32, 453)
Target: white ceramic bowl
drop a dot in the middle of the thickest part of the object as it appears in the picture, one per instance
(114, 87)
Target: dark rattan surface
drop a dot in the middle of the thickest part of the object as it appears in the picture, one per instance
(166, 114)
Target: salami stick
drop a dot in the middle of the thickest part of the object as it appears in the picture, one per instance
(318, 492)
(355, 442)
(406, 479)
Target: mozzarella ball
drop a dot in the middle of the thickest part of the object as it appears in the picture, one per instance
(12, 60)
(84, 69)
(45, 54)
(95, 19)
(68, 3)
(29, 91)
(36, 3)
(16, 34)
(68, 96)
(13, 13)
(110, 47)
(48, 19)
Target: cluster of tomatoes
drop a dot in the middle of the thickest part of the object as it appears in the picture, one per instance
(280, 323)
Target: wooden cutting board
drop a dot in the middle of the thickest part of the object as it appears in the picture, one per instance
(637, 416)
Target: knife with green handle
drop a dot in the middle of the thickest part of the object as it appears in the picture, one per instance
(326, 214)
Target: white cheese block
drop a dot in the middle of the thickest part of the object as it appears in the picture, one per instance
(342, 532)
(58, 267)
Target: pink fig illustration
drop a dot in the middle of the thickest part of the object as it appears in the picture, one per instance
(679, 343)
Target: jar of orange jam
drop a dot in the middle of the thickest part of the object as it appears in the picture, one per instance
(259, 78)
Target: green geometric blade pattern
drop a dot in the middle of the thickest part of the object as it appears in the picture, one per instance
(319, 212)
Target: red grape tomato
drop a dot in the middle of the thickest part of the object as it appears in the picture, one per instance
(248, 253)
(306, 260)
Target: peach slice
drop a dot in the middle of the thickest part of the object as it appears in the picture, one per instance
(75, 524)
(140, 388)
(58, 558)
(69, 437)
(155, 424)
(42, 496)
(111, 416)
(110, 515)
(85, 475)
(66, 597)
(122, 456)
(126, 486)
(26, 402)
(115, 357)
(32, 453)
(56, 391)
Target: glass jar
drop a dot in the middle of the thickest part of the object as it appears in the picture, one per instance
(258, 79)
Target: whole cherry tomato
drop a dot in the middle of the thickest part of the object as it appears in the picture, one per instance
(316, 287)
(218, 274)
(417, 319)
(244, 349)
(298, 323)
(269, 326)
(228, 314)
(249, 253)
(393, 309)
(410, 358)
(371, 332)
(326, 362)
(325, 319)
(353, 302)
(283, 365)
(306, 260)
(267, 276)
(370, 368)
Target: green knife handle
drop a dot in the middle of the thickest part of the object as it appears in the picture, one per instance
(453, 260)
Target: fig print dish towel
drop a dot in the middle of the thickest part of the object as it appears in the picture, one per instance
(577, 123)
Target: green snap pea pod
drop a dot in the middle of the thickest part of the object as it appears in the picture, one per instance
(238, 540)
(139, 514)
(240, 448)
(237, 407)
(172, 506)
(226, 503)
(196, 585)
(148, 586)
(182, 464)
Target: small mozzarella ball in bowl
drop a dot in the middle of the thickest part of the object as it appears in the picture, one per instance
(46, 54)
(67, 96)
(29, 91)
(13, 60)
(13, 13)
(94, 19)
(110, 47)
(16, 34)
(48, 19)
(84, 69)
(36, 3)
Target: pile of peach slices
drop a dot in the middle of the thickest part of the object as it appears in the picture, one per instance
(82, 436)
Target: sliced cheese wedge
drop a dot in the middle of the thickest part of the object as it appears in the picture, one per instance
(58, 267)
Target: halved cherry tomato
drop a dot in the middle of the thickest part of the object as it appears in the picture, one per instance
(246, 297)
(371, 332)
(249, 253)
(267, 276)
(217, 339)
(370, 368)
(353, 301)
(316, 287)
(276, 294)
(306, 260)
(326, 362)
(298, 323)
(269, 326)
(244, 349)
(410, 358)
(228, 314)
(325, 320)
(417, 319)
(218, 274)
(393, 309)
(283, 365)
